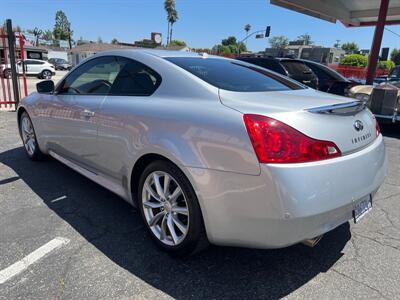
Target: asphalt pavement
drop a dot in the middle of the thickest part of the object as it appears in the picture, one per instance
(64, 237)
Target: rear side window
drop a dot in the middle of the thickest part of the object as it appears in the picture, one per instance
(135, 79)
(295, 67)
(234, 75)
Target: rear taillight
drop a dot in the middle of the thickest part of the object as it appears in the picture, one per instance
(276, 142)
(377, 128)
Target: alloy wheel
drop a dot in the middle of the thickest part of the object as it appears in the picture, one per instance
(46, 75)
(28, 135)
(165, 208)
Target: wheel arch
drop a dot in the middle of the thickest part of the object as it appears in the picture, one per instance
(137, 170)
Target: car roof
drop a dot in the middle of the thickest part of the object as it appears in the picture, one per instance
(160, 53)
(272, 58)
(35, 59)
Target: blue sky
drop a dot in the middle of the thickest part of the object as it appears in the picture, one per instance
(202, 23)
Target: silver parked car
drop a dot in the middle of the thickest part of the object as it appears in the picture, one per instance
(210, 149)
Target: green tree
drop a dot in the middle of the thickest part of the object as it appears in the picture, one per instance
(279, 42)
(114, 41)
(355, 60)
(174, 43)
(350, 47)
(223, 50)
(3, 29)
(62, 28)
(306, 38)
(172, 17)
(47, 35)
(395, 56)
(99, 40)
(229, 46)
(386, 65)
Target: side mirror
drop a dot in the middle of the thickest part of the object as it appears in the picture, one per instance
(45, 87)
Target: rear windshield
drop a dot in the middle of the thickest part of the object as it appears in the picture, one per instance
(295, 67)
(233, 75)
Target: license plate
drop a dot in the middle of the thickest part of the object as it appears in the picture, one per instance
(362, 208)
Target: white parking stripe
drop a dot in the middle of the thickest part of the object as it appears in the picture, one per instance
(24, 263)
(58, 199)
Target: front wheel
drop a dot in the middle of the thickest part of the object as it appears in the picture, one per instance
(29, 137)
(170, 209)
(7, 73)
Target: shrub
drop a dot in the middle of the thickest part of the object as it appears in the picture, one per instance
(386, 65)
(355, 60)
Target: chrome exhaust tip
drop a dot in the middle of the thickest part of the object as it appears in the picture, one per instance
(312, 242)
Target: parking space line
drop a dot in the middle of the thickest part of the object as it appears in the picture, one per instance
(31, 258)
(58, 199)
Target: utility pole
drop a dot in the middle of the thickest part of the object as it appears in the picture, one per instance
(11, 51)
(69, 37)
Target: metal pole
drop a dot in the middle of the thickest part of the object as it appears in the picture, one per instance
(245, 39)
(11, 51)
(376, 43)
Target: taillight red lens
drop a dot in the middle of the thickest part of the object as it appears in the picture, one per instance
(276, 142)
(378, 129)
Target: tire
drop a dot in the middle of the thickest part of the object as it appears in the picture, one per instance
(46, 74)
(7, 73)
(28, 137)
(178, 211)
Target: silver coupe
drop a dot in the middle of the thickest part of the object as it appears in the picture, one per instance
(210, 149)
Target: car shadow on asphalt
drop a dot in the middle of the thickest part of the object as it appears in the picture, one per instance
(116, 229)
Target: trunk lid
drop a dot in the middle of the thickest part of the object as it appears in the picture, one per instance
(321, 116)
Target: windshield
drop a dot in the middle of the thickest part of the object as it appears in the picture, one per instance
(233, 75)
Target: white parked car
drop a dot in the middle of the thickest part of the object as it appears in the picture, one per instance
(33, 67)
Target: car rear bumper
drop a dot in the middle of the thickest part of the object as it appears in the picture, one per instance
(289, 203)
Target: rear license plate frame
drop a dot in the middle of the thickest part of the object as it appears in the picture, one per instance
(361, 208)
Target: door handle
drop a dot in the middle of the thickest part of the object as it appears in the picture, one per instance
(88, 113)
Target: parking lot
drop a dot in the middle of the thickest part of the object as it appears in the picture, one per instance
(101, 249)
(31, 81)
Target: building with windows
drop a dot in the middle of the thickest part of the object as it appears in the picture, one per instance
(30, 52)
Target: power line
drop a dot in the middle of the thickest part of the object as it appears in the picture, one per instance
(395, 33)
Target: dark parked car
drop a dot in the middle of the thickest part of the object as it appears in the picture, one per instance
(60, 64)
(329, 80)
(294, 68)
(394, 75)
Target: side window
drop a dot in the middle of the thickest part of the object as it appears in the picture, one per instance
(94, 77)
(135, 79)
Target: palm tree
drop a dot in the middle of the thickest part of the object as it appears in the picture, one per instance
(306, 38)
(247, 28)
(172, 17)
(172, 20)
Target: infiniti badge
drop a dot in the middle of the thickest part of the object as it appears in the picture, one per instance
(358, 125)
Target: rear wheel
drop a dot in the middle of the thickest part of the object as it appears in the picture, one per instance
(170, 209)
(46, 74)
(29, 137)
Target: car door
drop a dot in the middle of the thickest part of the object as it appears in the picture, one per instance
(29, 67)
(72, 123)
(120, 118)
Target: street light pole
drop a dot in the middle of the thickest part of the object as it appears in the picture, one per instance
(249, 35)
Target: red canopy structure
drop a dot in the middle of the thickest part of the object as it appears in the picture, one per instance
(352, 13)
